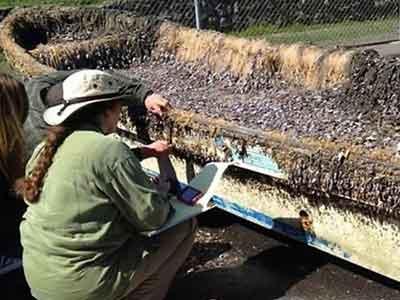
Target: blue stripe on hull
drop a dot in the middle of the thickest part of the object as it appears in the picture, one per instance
(279, 227)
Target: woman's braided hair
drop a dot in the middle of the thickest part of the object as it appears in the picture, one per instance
(56, 135)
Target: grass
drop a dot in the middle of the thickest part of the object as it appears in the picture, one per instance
(7, 3)
(326, 33)
(323, 34)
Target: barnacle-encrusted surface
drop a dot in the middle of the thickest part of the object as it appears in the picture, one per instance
(338, 142)
(36, 40)
(348, 175)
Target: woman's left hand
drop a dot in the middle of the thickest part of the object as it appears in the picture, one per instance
(156, 149)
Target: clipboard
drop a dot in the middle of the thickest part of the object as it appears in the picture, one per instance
(204, 183)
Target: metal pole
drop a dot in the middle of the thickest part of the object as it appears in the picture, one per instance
(197, 13)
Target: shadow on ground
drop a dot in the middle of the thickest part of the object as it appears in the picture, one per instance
(266, 276)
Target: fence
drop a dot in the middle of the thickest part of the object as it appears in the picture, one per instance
(324, 22)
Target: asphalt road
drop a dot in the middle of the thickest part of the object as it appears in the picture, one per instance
(235, 260)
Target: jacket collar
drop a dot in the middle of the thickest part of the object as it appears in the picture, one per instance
(90, 126)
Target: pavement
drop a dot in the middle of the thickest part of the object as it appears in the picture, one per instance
(386, 50)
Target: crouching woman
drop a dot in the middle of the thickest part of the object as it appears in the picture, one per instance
(89, 201)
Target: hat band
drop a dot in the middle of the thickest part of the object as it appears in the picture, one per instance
(67, 103)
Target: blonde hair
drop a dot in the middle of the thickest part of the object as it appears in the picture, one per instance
(13, 112)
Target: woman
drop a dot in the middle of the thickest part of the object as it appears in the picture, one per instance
(13, 112)
(89, 201)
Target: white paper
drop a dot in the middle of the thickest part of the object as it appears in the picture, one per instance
(206, 182)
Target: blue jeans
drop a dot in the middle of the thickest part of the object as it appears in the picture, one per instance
(8, 264)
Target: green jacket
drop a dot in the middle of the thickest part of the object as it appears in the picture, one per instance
(82, 239)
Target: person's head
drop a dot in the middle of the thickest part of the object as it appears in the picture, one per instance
(86, 97)
(13, 111)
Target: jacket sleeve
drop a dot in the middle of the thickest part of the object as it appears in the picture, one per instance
(34, 126)
(134, 87)
(136, 197)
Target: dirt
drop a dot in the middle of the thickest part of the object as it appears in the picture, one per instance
(233, 259)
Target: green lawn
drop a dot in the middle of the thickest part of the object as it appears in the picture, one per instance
(4, 3)
(351, 32)
(326, 33)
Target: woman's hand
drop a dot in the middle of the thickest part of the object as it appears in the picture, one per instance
(156, 104)
(156, 149)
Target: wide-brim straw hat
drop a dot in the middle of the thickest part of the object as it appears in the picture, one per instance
(81, 89)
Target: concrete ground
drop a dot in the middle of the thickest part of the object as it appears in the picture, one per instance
(387, 50)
